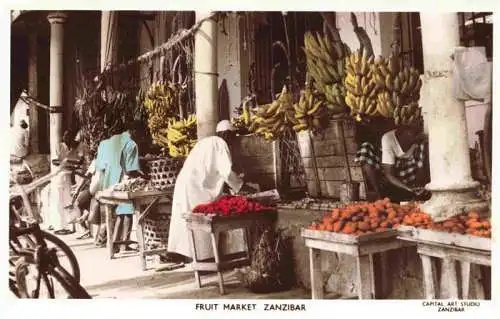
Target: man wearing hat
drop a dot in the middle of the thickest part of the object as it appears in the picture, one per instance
(201, 180)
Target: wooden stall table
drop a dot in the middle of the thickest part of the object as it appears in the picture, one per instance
(362, 247)
(139, 199)
(469, 251)
(214, 225)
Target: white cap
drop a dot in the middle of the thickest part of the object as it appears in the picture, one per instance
(224, 125)
(78, 137)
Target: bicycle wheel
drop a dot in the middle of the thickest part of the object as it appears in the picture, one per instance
(65, 255)
(54, 282)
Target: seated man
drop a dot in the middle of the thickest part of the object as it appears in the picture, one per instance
(399, 168)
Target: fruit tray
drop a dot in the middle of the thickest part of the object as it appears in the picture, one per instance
(346, 238)
(460, 240)
(207, 219)
(126, 195)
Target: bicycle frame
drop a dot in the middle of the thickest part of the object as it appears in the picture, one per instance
(45, 259)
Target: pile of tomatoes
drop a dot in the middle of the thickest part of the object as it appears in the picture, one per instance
(231, 205)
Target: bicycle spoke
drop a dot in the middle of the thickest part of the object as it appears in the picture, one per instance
(49, 285)
(36, 293)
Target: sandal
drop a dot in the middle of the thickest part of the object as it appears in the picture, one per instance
(63, 232)
(85, 235)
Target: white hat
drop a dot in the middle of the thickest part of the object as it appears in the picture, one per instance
(224, 125)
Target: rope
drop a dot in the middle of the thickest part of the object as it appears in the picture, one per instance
(148, 56)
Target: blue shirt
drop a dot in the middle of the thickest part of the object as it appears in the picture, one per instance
(116, 156)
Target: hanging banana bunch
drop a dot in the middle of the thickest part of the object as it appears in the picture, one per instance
(400, 84)
(246, 119)
(272, 120)
(179, 137)
(407, 115)
(360, 84)
(326, 65)
(161, 103)
(310, 111)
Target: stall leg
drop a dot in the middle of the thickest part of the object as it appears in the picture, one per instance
(316, 277)
(247, 242)
(465, 278)
(450, 275)
(109, 231)
(140, 238)
(429, 277)
(215, 248)
(365, 277)
(195, 258)
(477, 282)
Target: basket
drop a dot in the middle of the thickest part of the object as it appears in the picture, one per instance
(155, 229)
(164, 171)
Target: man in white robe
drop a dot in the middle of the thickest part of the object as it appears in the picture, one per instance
(201, 180)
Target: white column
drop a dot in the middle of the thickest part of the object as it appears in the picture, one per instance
(109, 28)
(57, 21)
(451, 183)
(33, 90)
(205, 68)
(60, 185)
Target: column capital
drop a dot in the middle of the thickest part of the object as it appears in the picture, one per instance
(57, 17)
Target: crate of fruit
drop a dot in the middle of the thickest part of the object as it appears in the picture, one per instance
(345, 238)
(467, 230)
(229, 207)
(359, 222)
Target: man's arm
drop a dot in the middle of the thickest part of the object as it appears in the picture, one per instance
(389, 173)
(131, 161)
(388, 162)
(224, 165)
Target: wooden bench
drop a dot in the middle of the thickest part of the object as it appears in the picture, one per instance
(362, 247)
(450, 248)
(214, 225)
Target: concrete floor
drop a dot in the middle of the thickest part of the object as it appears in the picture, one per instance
(122, 277)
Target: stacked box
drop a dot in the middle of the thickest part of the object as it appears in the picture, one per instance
(326, 151)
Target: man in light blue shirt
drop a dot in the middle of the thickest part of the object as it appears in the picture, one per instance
(118, 157)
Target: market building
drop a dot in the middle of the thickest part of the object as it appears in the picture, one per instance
(220, 59)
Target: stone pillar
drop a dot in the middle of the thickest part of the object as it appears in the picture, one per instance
(451, 183)
(57, 21)
(60, 185)
(109, 28)
(205, 68)
(33, 90)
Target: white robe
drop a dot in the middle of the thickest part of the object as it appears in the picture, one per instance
(200, 180)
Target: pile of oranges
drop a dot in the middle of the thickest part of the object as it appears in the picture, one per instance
(364, 218)
(467, 223)
(382, 215)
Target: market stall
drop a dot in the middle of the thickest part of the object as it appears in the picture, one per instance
(225, 214)
(467, 243)
(142, 201)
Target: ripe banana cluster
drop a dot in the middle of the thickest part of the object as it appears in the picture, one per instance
(407, 115)
(326, 65)
(400, 84)
(360, 85)
(271, 120)
(161, 102)
(310, 111)
(246, 118)
(179, 136)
